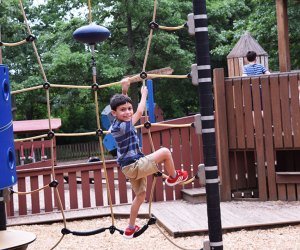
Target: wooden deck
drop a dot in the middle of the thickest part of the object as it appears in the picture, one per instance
(180, 218)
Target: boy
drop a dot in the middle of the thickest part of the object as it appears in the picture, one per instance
(253, 68)
(134, 164)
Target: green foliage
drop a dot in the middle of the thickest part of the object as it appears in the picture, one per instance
(67, 61)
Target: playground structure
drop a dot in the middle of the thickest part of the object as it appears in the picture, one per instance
(92, 34)
(224, 172)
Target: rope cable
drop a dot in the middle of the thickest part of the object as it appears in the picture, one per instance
(13, 44)
(90, 11)
(33, 43)
(149, 76)
(171, 28)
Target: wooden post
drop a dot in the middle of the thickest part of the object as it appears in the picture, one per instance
(221, 134)
(283, 36)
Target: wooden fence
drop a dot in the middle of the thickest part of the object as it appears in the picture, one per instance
(258, 133)
(84, 185)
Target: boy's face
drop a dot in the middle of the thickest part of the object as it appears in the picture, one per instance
(123, 112)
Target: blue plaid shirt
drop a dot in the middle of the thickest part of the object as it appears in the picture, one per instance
(128, 149)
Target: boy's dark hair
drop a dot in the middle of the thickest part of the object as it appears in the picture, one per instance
(119, 99)
(251, 56)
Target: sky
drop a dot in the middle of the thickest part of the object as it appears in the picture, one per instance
(37, 2)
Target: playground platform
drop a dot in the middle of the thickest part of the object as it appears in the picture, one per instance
(181, 218)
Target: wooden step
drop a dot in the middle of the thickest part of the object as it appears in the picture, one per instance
(194, 195)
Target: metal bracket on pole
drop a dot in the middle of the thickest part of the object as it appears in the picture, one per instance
(198, 124)
(201, 174)
(191, 24)
(194, 74)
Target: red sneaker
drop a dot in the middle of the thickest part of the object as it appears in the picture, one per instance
(128, 234)
(181, 177)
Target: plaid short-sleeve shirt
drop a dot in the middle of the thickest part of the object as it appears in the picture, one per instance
(128, 149)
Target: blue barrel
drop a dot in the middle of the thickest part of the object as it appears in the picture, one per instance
(7, 149)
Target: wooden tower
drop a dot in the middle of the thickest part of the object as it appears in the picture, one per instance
(236, 59)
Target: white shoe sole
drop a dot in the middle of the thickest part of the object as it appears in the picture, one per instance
(177, 182)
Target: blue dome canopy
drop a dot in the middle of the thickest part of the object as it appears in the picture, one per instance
(91, 34)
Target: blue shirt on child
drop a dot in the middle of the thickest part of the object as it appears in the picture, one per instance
(128, 150)
(254, 69)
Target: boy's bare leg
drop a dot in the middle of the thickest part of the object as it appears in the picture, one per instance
(136, 203)
(164, 155)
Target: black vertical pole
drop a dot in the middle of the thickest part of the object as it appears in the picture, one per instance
(2, 212)
(208, 124)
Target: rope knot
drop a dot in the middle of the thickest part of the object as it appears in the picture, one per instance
(65, 231)
(53, 184)
(95, 86)
(50, 135)
(153, 25)
(147, 125)
(143, 75)
(99, 132)
(30, 38)
(46, 85)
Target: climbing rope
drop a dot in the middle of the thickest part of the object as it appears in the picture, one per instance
(46, 86)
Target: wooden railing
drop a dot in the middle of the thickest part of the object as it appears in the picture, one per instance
(257, 122)
(84, 185)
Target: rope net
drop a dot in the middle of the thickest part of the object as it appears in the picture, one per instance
(47, 87)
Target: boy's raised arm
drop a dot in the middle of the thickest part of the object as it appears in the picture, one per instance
(141, 107)
(125, 85)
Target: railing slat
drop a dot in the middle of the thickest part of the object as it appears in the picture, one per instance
(239, 112)
(85, 187)
(72, 181)
(285, 108)
(259, 142)
(35, 196)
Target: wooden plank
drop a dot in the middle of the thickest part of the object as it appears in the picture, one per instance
(147, 150)
(197, 153)
(283, 35)
(268, 135)
(85, 186)
(98, 187)
(10, 208)
(111, 184)
(166, 142)
(239, 112)
(285, 108)
(288, 177)
(249, 128)
(61, 191)
(231, 124)
(295, 112)
(159, 195)
(22, 200)
(291, 192)
(72, 180)
(236, 66)
(276, 111)
(122, 187)
(175, 135)
(35, 196)
(186, 153)
(230, 67)
(48, 194)
(282, 192)
(259, 142)
(222, 134)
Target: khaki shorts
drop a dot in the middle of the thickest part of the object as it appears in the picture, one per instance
(138, 171)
